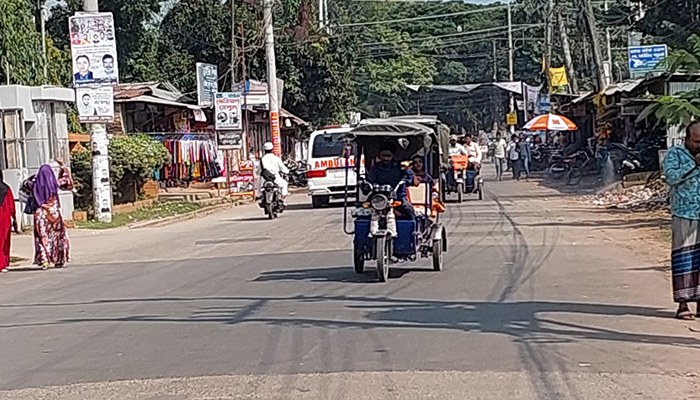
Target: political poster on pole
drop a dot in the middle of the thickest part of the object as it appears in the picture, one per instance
(94, 49)
(228, 111)
(95, 104)
(207, 84)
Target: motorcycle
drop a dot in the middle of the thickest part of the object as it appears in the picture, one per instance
(297, 173)
(643, 157)
(271, 199)
(381, 201)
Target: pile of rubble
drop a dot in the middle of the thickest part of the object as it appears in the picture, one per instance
(650, 197)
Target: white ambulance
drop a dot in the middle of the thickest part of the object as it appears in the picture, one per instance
(326, 173)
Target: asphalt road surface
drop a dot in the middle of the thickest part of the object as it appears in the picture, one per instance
(535, 303)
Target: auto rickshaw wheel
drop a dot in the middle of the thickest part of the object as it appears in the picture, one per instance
(437, 255)
(382, 244)
(358, 260)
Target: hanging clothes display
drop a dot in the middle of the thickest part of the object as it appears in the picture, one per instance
(193, 159)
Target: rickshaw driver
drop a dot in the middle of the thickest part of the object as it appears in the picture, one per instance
(456, 149)
(387, 171)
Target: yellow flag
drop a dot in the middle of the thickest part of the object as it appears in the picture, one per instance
(557, 76)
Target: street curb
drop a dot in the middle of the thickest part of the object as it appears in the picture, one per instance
(202, 212)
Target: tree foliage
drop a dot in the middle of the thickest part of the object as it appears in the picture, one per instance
(133, 160)
(20, 44)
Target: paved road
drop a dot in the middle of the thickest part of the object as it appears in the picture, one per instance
(536, 302)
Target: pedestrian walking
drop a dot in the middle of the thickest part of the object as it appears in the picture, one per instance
(525, 155)
(682, 171)
(499, 155)
(513, 151)
(8, 222)
(51, 245)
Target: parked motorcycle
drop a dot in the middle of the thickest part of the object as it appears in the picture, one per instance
(642, 157)
(271, 199)
(297, 173)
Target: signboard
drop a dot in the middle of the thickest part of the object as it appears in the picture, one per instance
(275, 133)
(207, 84)
(228, 111)
(557, 77)
(512, 119)
(94, 49)
(227, 140)
(645, 59)
(95, 104)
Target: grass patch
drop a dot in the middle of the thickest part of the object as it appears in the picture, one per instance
(15, 259)
(159, 210)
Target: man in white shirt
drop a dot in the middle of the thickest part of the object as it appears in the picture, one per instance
(274, 164)
(456, 149)
(473, 150)
(499, 155)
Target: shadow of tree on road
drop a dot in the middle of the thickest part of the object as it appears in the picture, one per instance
(522, 320)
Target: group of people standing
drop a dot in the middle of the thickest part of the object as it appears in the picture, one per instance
(40, 195)
(513, 155)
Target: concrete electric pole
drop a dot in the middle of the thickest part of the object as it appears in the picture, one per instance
(272, 78)
(233, 44)
(101, 192)
(511, 75)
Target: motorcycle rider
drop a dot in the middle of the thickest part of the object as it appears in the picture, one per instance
(456, 149)
(387, 171)
(272, 163)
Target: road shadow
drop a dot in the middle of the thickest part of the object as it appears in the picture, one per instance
(343, 274)
(247, 219)
(534, 322)
(659, 268)
(630, 223)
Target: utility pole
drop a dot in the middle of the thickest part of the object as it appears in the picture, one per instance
(233, 44)
(607, 35)
(548, 43)
(101, 186)
(495, 62)
(609, 72)
(589, 17)
(568, 60)
(43, 43)
(272, 78)
(510, 62)
(320, 14)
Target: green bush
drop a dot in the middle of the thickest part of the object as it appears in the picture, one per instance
(133, 160)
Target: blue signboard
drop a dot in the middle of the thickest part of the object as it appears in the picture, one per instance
(644, 59)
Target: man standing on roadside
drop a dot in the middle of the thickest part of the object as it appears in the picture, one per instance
(513, 151)
(525, 155)
(499, 155)
(682, 171)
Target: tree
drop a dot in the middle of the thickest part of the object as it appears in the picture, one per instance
(20, 45)
(684, 107)
(133, 160)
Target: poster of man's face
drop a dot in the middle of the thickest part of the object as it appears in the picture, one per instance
(94, 50)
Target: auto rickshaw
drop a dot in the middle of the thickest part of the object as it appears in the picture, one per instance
(466, 180)
(374, 213)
